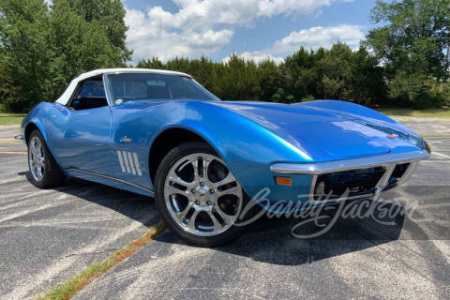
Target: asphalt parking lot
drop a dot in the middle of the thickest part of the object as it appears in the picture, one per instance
(47, 236)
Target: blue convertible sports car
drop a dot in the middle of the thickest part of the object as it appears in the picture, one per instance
(161, 134)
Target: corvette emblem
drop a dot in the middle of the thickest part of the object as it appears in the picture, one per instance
(392, 136)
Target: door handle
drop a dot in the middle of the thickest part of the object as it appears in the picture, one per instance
(124, 139)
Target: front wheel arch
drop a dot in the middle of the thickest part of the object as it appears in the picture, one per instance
(168, 140)
(28, 130)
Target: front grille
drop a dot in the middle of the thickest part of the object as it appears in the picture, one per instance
(358, 182)
(398, 173)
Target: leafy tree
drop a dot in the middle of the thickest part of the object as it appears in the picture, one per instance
(179, 64)
(204, 72)
(366, 83)
(152, 63)
(405, 86)
(270, 80)
(108, 14)
(25, 34)
(337, 67)
(444, 90)
(332, 87)
(412, 43)
(8, 90)
(44, 47)
(301, 73)
(79, 46)
(239, 80)
(282, 96)
(338, 73)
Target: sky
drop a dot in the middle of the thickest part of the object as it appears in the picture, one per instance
(254, 29)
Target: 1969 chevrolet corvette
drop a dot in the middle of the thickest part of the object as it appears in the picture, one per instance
(161, 134)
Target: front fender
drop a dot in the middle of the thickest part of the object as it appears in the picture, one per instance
(247, 148)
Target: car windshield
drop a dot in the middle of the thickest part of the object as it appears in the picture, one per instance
(146, 86)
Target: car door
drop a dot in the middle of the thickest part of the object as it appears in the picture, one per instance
(130, 132)
(130, 148)
(80, 132)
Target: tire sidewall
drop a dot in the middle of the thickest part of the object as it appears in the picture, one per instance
(52, 175)
(166, 164)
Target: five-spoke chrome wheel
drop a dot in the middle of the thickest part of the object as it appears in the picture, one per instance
(201, 194)
(36, 158)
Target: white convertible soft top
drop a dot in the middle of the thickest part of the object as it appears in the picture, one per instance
(65, 97)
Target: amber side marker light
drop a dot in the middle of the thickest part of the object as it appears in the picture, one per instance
(283, 181)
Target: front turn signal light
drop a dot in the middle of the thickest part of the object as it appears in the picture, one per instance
(283, 181)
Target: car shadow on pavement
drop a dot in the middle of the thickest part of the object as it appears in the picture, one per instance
(275, 240)
(293, 241)
(283, 241)
(131, 205)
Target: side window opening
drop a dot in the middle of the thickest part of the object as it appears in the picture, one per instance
(89, 94)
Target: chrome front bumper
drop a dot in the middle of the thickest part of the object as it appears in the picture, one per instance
(348, 164)
(387, 161)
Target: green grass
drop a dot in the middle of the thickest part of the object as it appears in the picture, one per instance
(11, 119)
(75, 284)
(425, 113)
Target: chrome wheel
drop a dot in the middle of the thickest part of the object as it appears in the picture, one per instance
(36, 158)
(201, 195)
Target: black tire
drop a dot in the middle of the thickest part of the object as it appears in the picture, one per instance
(174, 156)
(52, 175)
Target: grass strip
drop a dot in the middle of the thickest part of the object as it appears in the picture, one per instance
(11, 119)
(415, 113)
(75, 284)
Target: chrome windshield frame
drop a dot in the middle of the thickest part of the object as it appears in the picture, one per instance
(109, 96)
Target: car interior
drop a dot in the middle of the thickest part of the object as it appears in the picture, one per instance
(90, 94)
(138, 90)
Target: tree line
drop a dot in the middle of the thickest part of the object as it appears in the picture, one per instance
(403, 62)
(43, 47)
(338, 73)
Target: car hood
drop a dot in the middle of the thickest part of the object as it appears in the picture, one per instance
(326, 135)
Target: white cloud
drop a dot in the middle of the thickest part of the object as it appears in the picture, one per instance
(198, 13)
(311, 38)
(202, 27)
(151, 38)
(315, 37)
